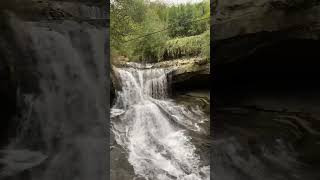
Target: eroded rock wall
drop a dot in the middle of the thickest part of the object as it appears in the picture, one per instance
(241, 27)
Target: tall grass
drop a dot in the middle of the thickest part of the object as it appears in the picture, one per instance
(190, 46)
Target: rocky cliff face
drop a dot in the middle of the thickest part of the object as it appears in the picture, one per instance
(242, 27)
(186, 74)
(54, 85)
(265, 91)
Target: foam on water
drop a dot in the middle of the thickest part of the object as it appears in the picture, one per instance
(152, 128)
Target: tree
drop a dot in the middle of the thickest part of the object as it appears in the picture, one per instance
(150, 48)
(133, 20)
(125, 16)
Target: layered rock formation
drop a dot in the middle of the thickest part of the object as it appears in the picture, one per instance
(183, 71)
(266, 119)
(242, 27)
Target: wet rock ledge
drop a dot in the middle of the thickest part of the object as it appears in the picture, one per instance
(183, 71)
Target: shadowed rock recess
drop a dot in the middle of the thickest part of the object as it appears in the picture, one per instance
(266, 91)
(186, 74)
(53, 71)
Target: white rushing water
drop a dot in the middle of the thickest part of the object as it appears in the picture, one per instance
(61, 134)
(153, 129)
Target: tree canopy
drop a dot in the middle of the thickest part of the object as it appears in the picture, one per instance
(144, 30)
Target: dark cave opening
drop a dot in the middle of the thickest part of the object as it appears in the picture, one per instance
(288, 66)
(282, 77)
(8, 106)
(194, 83)
(277, 81)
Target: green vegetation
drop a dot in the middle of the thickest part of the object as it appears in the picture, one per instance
(153, 31)
(188, 46)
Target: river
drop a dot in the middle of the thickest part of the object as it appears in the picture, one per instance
(154, 130)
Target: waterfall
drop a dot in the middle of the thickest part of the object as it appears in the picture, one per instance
(153, 129)
(62, 134)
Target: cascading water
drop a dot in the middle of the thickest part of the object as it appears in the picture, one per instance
(62, 135)
(153, 129)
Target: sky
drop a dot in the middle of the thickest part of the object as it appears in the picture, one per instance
(179, 1)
